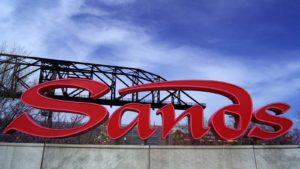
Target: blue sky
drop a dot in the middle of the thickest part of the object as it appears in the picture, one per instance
(254, 44)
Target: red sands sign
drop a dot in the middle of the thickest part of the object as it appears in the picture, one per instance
(241, 109)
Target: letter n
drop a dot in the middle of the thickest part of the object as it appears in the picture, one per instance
(195, 117)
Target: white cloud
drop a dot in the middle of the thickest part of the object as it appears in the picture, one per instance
(6, 11)
(116, 2)
(52, 31)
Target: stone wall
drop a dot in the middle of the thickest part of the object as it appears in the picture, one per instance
(54, 156)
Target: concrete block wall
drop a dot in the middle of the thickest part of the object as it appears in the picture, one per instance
(54, 156)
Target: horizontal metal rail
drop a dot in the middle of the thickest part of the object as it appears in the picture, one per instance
(26, 71)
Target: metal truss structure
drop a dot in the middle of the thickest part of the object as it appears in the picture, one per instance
(25, 72)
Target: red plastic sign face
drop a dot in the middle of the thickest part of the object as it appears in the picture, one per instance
(241, 109)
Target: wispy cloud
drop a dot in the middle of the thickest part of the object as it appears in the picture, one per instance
(77, 31)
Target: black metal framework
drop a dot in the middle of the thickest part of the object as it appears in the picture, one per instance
(24, 70)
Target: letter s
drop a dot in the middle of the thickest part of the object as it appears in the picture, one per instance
(280, 124)
(33, 97)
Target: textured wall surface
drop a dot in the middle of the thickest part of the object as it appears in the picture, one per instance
(54, 156)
